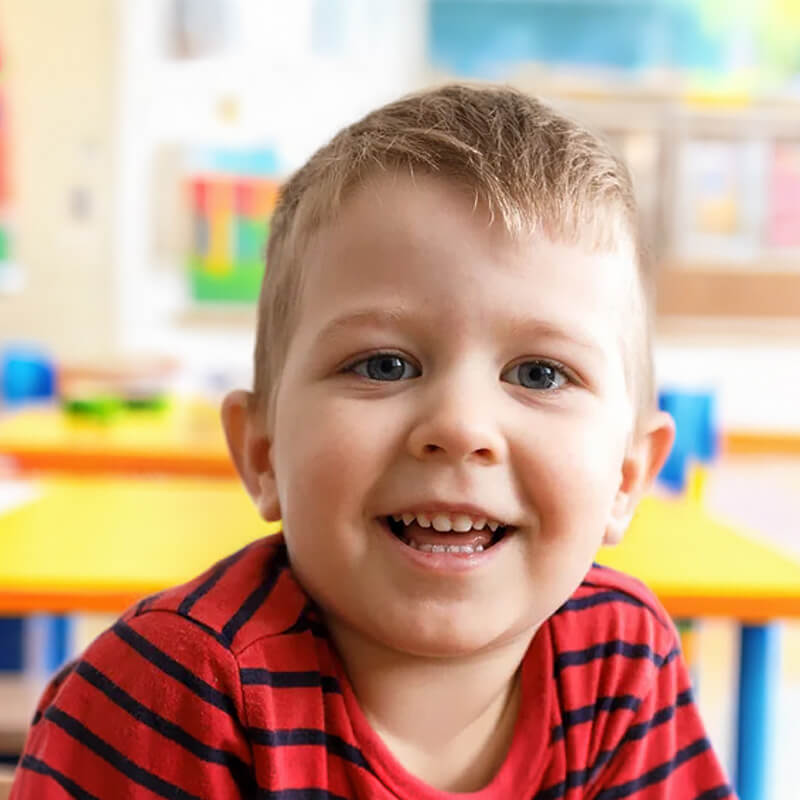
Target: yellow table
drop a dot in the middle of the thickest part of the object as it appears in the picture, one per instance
(101, 543)
(183, 439)
(699, 566)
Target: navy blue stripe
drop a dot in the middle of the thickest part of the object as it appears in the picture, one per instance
(145, 602)
(128, 768)
(214, 634)
(663, 715)
(256, 597)
(141, 606)
(616, 647)
(292, 737)
(579, 777)
(657, 774)
(558, 790)
(240, 772)
(159, 659)
(639, 731)
(300, 625)
(289, 680)
(55, 682)
(603, 568)
(717, 793)
(208, 584)
(305, 623)
(598, 599)
(64, 673)
(580, 715)
(610, 596)
(67, 784)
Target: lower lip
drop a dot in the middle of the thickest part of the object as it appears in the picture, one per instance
(445, 562)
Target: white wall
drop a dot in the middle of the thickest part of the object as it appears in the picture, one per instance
(753, 368)
(60, 75)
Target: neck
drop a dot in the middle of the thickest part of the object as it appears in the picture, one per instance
(449, 721)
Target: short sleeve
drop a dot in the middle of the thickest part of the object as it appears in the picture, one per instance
(664, 753)
(152, 709)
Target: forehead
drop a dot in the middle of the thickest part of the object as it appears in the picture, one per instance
(425, 243)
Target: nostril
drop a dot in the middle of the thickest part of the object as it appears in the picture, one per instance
(481, 453)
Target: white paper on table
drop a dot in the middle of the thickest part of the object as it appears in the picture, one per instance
(16, 493)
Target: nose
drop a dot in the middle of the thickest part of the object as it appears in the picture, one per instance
(458, 424)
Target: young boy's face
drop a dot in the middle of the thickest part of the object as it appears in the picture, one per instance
(444, 371)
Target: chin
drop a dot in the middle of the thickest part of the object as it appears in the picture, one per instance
(446, 638)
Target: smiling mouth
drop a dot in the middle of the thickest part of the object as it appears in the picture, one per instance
(443, 533)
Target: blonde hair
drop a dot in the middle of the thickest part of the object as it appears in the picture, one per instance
(534, 169)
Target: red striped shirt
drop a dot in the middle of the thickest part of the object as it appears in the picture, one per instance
(227, 687)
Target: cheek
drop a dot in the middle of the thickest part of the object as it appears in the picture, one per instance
(309, 466)
(328, 454)
(572, 475)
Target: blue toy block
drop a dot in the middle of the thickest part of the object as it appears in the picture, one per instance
(696, 433)
(26, 374)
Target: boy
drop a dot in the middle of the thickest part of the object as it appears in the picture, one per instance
(452, 410)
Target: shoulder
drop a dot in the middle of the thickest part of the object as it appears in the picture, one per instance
(622, 699)
(611, 637)
(176, 670)
(618, 605)
(180, 649)
(158, 699)
(245, 597)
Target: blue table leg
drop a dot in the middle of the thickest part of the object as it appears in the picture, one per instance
(759, 675)
(12, 643)
(49, 642)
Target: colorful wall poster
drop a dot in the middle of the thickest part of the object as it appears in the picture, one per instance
(719, 200)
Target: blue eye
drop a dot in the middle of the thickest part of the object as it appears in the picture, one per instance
(385, 367)
(541, 375)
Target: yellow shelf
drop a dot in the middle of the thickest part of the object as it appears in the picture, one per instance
(185, 438)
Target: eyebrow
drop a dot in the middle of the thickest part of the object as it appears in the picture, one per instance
(366, 316)
(517, 327)
(542, 329)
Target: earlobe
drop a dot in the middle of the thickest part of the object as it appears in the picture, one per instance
(250, 451)
(642, 463)
(621, 516)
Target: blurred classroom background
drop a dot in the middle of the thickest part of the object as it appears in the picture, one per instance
(142, 146)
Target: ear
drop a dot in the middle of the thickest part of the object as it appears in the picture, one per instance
(250, 448)
(646, 455)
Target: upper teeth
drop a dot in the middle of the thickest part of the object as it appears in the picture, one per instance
(461, 523)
